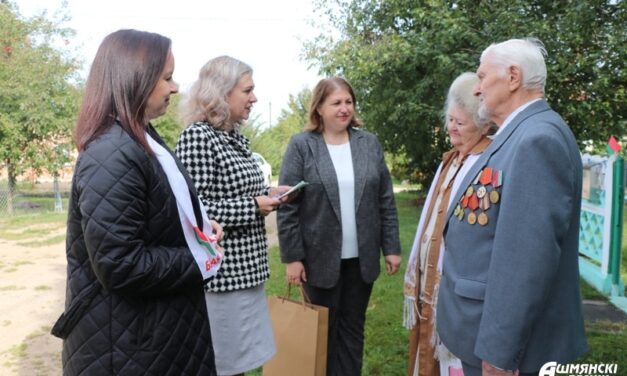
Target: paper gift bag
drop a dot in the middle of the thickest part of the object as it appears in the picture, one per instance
(300, 333)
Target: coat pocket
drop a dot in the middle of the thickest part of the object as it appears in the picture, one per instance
(467, 288)
(75, 312)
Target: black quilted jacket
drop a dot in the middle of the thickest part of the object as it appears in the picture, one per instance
(133, 288)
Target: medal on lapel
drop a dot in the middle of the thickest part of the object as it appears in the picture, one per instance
(481, 194)
(494, 197)
(473, 204)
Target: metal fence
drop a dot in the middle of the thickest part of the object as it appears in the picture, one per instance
(4, 197)
(33, 194)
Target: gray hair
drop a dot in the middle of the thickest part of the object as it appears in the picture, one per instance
(206, 100)
(528, 54)
(461, 94)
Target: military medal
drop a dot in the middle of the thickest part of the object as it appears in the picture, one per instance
(483, 219)
(460, 216)
(494, 197)
(481, 191)
(472, 218)
(486, 176)
(469, 191)
(473, 202)
(465, 201)
(484, 204)
(457, 209)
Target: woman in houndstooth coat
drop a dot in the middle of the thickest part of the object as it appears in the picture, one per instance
(231, 186)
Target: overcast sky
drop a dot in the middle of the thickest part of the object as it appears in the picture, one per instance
(267, 34)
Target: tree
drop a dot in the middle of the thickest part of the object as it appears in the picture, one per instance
(272, 142)
(37, 101)
(169, 126)
(401, 56)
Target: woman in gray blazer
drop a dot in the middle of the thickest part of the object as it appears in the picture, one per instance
(332, 233)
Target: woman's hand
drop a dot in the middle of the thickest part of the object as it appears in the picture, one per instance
(392, 263)
(277, 191)
(296, 273)
(217, 229)
(267, 204)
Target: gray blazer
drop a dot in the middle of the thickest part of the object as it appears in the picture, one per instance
(310, 227)
(509, 292)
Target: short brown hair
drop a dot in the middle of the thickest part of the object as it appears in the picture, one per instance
(323, 89)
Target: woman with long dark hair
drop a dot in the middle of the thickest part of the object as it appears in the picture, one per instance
(134, 302)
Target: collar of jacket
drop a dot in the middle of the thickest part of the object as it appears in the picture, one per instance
(361, 158)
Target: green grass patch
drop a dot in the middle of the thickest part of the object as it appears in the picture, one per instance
(10, 288)
(43, 288)
(18, 351)
(22, 262)
(44, 242)
(607, 344)
(24, 227)
(6, 322)
(26, 233)
(590, 293)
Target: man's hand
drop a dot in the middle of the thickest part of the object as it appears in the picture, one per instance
(392, 263)
(490, 370)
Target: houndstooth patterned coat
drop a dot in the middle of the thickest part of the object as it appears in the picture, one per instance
(227, 179)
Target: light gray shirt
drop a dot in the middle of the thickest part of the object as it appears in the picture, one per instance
(343, 165)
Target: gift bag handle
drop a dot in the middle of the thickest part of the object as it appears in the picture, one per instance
(304, 297)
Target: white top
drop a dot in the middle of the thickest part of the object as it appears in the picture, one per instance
(343, 164)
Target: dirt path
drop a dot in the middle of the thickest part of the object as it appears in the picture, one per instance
(32, 292)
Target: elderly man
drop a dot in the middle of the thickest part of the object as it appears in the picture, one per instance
(509, 298)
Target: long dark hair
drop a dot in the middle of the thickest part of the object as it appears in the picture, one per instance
(126, 69)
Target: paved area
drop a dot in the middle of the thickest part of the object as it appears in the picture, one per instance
(597, 310)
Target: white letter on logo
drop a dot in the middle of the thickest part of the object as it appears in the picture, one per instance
(548, 369)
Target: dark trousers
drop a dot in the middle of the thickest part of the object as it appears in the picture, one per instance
(347, 302)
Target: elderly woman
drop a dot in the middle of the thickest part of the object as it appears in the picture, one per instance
(333, 234)
(231, 186)
(467, 134)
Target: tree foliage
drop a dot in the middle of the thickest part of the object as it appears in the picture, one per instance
(401, 56)
(38, 102)
(169, 125)
(272, 142)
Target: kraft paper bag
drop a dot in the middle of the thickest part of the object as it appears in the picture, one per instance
(300, 333)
